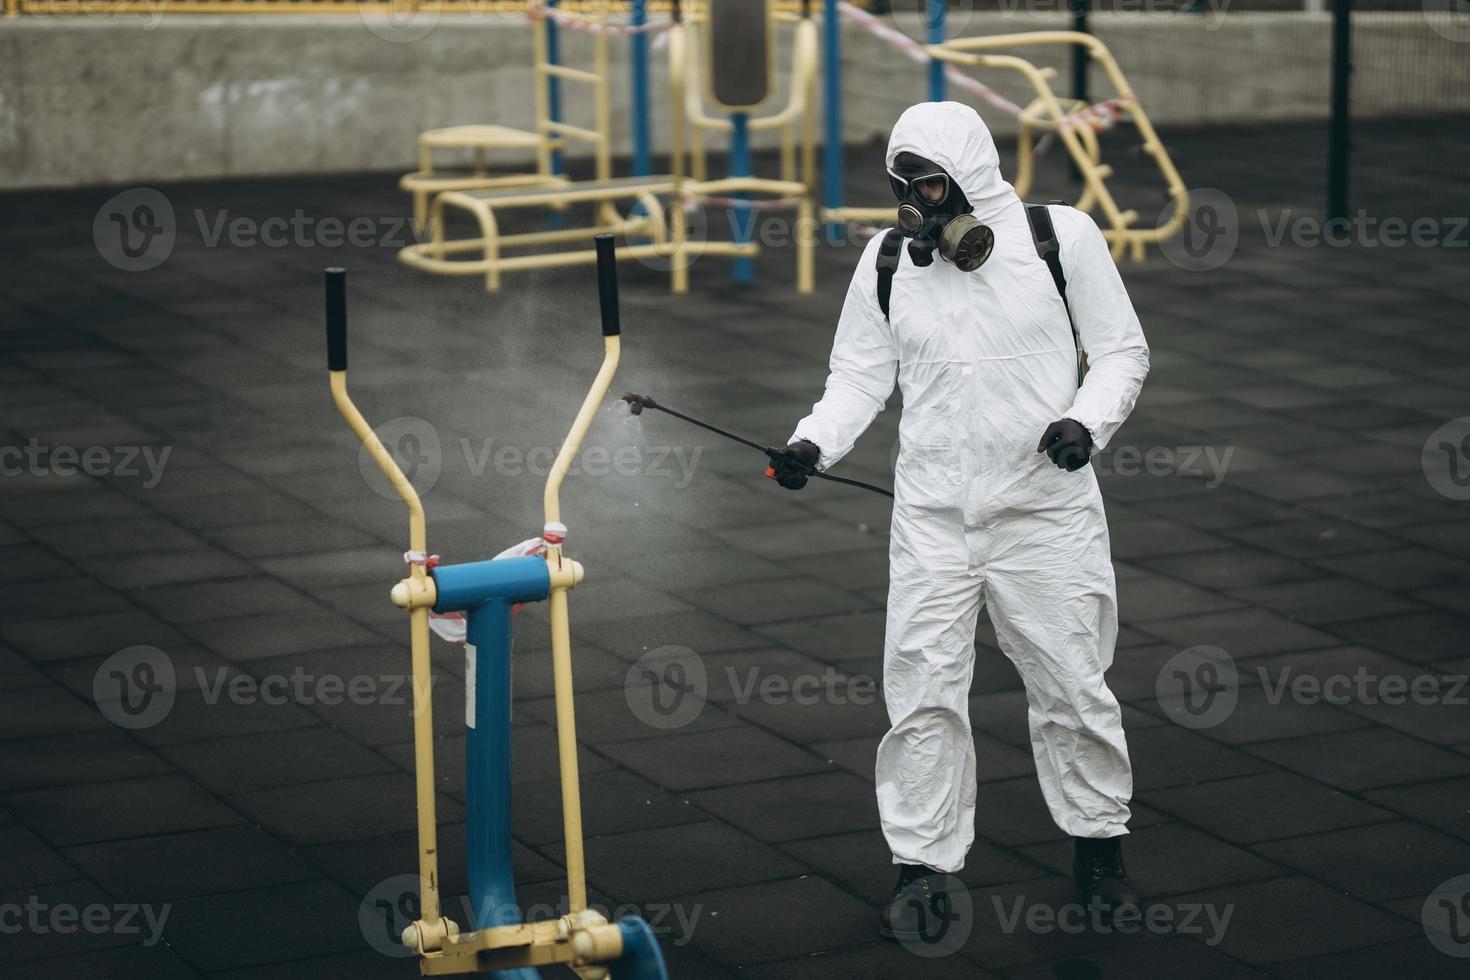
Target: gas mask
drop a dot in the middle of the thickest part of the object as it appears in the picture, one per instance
(934, 213)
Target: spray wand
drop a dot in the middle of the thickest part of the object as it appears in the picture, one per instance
(637, 403)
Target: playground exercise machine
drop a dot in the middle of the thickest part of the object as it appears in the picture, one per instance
(484, 591)
(740, 38)
(549, 137)
(1074, 122)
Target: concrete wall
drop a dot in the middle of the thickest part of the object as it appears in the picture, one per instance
(158, 97)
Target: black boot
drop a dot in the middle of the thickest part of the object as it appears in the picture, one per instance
(1097, 868)
(905, 916)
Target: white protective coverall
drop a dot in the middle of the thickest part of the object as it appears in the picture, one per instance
(986, 361)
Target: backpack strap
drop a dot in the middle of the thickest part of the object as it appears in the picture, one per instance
(1049, 248)
(887, 265)
(1050, 251)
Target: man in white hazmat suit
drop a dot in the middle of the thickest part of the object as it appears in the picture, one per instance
(984, 515)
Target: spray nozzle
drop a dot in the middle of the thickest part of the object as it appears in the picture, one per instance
(637, 403)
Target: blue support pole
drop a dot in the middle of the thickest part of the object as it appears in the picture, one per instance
(935, 13)
(743, 269)
(832, 108)
(485, 591)
(642, 164)
(553, 84)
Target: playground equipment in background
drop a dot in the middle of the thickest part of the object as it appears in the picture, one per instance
(484, 591)
(652, 229)
(549, 136)
(1075, 122)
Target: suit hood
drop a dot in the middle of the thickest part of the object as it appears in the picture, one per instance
(953, 136)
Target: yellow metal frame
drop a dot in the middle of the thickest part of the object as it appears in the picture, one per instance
(583, 938)
(796, 120)
(663, 227)
(549, 134)
(1049, 114)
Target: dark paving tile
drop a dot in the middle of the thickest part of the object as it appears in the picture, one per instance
(1281, 805)
(132, 962)
(776, 600)
(250, 762)
(862, 863)
(1294, 917)
(159, 869)
(124, 808)
(340, 809)
(1419, 636)
(220, 932)
(1240, 632)
(46, 711)
(1230, 568)
(832, 638)
(1363, 759)
(1377, 863)
(116, 537)
(693, 856)
(736, 925)
(1150, 597)
(1170, 859)
(47, 639)
(56, 928)
(609, 716)
(881, 961)
(1173, 756)
(800, 806)
(1181, 957)
(612, 803)
(78, 757)
(1325, 600)
(1439, 804)
(1312, 538)
(148, 569)
(290, 537)
(1261, 712)
(1412, 957)
(197, 601)
(29, 861)
(696, 760)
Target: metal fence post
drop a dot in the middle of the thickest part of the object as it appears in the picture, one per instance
(1339, 135)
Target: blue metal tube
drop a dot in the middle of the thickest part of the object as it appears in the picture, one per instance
(743, 270)
(832, 107)
(485, 591)
(642, 162)
(641, 959)
(935, 13)
(553, 84)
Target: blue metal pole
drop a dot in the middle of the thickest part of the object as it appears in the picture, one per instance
(553, 84)
(832, 107)
(743, 219)
(642, 165)
(935, 13)
(485, 591)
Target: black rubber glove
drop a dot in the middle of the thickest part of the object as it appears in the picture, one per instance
(791, 467)
(1068, 443)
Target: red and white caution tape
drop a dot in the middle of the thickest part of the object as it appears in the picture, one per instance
(916, 52)
(538, 10)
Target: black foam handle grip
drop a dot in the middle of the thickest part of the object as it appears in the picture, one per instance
(607, 285)
(336, 319)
